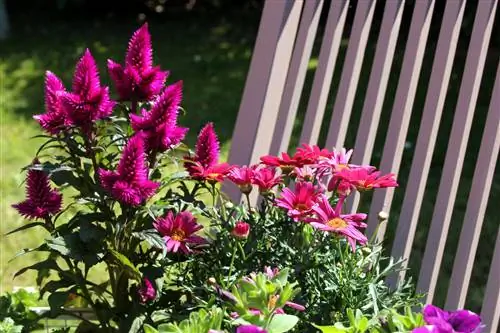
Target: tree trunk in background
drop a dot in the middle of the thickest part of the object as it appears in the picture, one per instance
(4, 21)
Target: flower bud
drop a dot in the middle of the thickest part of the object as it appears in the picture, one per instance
(241, 230)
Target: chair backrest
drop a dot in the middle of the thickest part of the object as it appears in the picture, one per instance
(275, 84)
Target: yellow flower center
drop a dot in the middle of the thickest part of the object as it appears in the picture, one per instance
(178, 235)
(272, 302)
(286, 169)
(337, 223)
(301, 206)
(341, 167)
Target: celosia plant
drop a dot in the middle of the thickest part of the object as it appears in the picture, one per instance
(145, 236)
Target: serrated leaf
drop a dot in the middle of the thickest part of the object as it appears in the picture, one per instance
(125, 262)
(153, 238)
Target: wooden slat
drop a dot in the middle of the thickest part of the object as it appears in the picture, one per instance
(457, 146)
(377, 86)
(350, 74)
(490, 311)
(296, 75)
(436, 93)
(324, 72)
(264, 85)
(402, 107)
(476, 205)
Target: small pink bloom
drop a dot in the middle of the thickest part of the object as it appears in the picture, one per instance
(160, 123)
(88, 101)
(312, 154)
(363, 179)
(300, 201)
(285, 162)
(213, 174)
(54, 118)
(242, 177)
(330, 220)
(42, 201)
(146, 292)
(138, 79)
(178, 231)
(250, 329)
(271, 272)
(304, 174)
(129, 183)
(266, 179)
(241, 230)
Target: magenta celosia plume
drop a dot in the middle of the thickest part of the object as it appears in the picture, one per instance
(178, 231)
(299, 201)
(138, 79)
(88, 101)
(159, 125)
(331, 220)
(42, 201)
(54, 118)
(204, 165)
(146, 292)
(129, 183)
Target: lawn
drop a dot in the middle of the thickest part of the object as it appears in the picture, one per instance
(212, 57)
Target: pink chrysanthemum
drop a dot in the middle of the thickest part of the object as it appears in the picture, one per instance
(54, 118)
(129, 183)
(300, 201)
(146, 292)
(363, 179)
(178, 231)
(138, 79)
(304, 174)
(88, 101)
(312, 154)
(442, 321)
(205, 163)
(329, 219)
(242, 177)
(286, 162)
(160, 124)
(266, 179)
(42, 201)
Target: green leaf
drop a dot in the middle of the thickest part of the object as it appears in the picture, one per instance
(91, 233)
(337, 328)
(41, 248)
(56, 301)
(137, 324)
(125, 262)
(153, 238)
(149, 329)
(55, 285)
(169, 328)
(46, 264)
(282, 323)
(27, 226)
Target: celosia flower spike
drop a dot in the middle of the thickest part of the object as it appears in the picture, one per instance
(129, 183)
(42, 201)
(160, 124)
(138, 79)
(54, 118)
(88, 101)
(178, 231)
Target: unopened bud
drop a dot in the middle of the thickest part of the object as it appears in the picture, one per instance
(383, 216)
(211, 281)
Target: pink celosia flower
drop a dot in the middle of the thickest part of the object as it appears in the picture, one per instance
(285, 162)
(300, 201)
(138, 79)
(160, 124)
(54, 118)
(266, 179)
(363, 179)
(88, 101)
(205, 163)
(178, 231)
(129, 183)
(242, 177)
(241, 230)
(146, 292)
(42, 201)
(329, 219)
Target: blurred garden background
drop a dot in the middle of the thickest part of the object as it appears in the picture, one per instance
(208, 44)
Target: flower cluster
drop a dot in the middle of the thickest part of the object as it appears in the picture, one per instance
(441, 321)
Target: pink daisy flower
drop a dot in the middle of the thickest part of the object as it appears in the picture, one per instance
(300, 201)
(178, 231)
(266, 179)
(242, 177)
(363, 179)
(331, 220)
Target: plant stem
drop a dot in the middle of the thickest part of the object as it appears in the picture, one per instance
(247, 195)
(231, 265)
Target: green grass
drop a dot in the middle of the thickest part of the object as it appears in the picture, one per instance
(212, 57)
